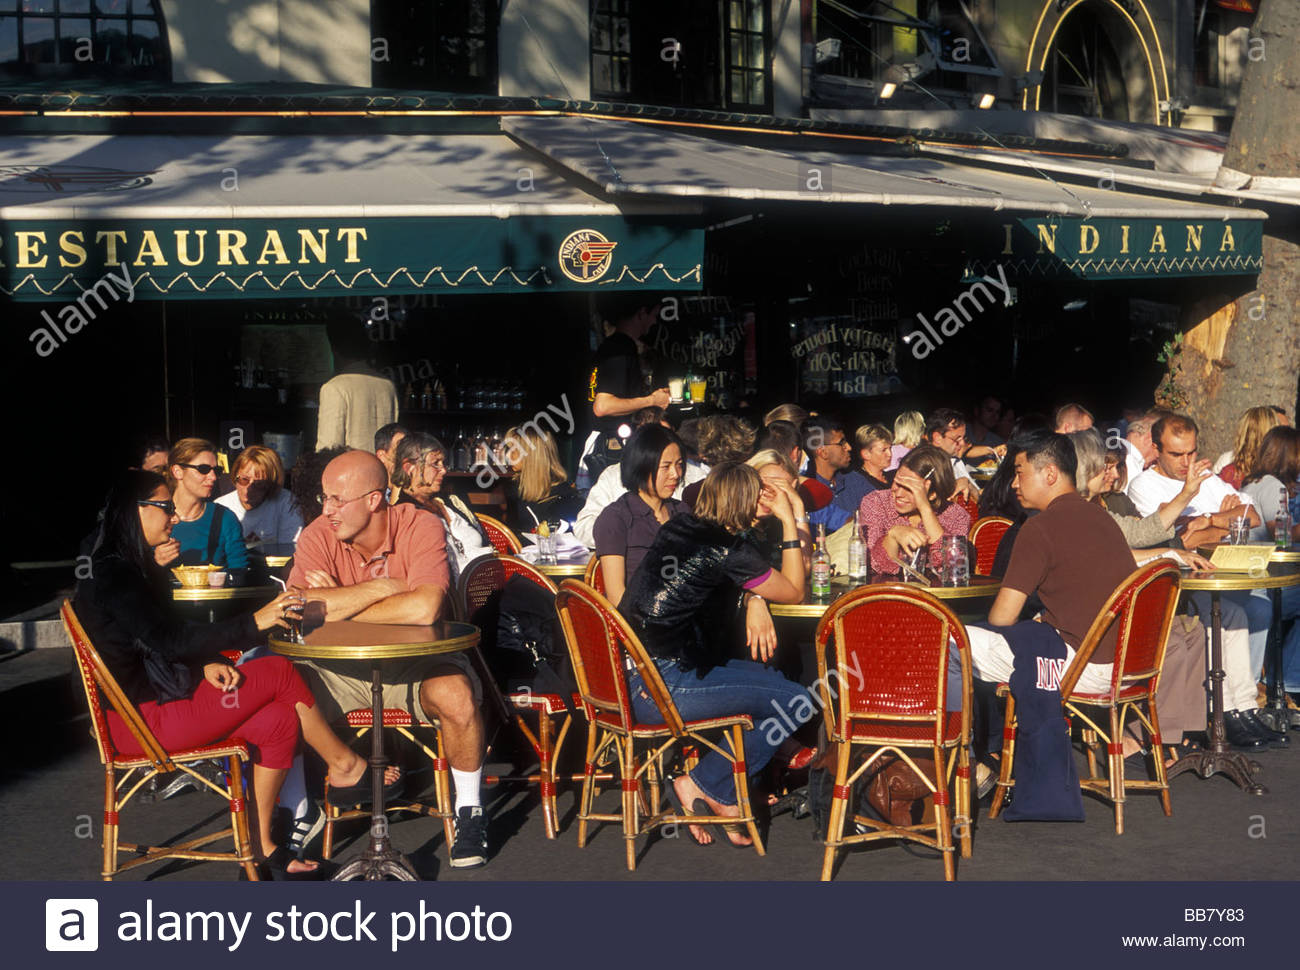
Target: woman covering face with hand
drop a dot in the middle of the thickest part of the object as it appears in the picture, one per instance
(911, 514)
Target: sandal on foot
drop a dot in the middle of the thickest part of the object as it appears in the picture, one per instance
(362, 793)
(671, 792)
(720, 830)
(275, 868)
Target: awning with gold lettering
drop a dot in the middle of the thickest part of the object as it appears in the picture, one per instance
(204, 217)
(1119, 248)
(1037, 225)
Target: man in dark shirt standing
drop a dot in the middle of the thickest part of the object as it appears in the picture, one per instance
(616, 386)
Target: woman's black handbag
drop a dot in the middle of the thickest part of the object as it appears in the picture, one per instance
(170, 679)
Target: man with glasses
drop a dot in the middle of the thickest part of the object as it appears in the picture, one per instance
(946, 430)
(829, 454)
(369, 561)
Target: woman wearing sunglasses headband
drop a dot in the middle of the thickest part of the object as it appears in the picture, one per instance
(207, 532)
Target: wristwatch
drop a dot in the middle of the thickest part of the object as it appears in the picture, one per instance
(791, 544)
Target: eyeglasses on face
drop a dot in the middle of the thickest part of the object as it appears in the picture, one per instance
(167, 505)
(204, 470)
(333, 500)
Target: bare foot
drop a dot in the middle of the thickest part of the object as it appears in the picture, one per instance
(689, 792)
(359, 770)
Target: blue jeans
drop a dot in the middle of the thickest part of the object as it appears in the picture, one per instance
(1259, 615)
(737, 687)
(1290, 645)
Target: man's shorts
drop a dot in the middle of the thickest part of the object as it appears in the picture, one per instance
(340, 686)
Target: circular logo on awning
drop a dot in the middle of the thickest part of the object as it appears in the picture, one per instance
(586, 256)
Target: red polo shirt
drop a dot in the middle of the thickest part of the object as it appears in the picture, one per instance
(415, 550)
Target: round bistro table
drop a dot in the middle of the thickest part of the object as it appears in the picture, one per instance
(378, 642)
(980, 588)
(575, 569)
(222, 594)
(1274, 576)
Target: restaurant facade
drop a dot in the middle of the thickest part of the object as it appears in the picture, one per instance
(179, 227)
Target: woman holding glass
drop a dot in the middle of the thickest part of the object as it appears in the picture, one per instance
(913, 514)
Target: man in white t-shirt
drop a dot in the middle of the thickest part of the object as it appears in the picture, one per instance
(1216, 504)
(1174, 437)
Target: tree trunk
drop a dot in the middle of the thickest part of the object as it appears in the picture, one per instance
(1243, 352)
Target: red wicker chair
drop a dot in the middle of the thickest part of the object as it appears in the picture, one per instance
(360, 720)
(478, 582)
(985, 534)
(600, 641)
(1141, 610)
(972, 506)
(126, 775)
(503, 540)
(593, 577)
(901, 635)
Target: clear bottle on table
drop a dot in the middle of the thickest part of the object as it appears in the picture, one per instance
(857, 556)
(821, 566)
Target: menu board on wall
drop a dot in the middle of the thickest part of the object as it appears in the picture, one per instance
(849, 346)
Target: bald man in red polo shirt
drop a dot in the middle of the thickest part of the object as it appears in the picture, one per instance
(369, 561)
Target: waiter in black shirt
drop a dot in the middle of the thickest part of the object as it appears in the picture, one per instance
(616, 386)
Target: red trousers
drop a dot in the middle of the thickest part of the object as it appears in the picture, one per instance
(261, 711)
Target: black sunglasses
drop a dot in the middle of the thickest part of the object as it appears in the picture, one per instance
(201, 469)
(167, 505)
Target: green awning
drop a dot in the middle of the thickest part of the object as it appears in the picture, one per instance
(1117, 248)
(211, 217)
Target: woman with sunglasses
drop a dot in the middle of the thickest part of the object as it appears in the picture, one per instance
(207, 532)
(419, 467)
(174, 673)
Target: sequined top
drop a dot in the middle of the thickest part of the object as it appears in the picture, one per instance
(683, 601)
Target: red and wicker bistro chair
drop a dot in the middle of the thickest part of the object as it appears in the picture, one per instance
(600, 644)
(125, 775)
(478, 582)
(401, 721)
(985, 535)
(503, 540)
(1141, 610)
(593, 577)
(900, 634)
(972, 506)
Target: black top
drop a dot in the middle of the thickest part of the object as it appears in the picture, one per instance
(627, 527)
(121, 610)
(683, 601)
(561, 502)
(617, 372)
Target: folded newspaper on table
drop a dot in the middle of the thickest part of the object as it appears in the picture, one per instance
(1242, 559)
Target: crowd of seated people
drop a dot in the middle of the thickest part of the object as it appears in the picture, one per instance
(694, 578)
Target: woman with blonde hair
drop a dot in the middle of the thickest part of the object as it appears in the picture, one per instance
(1251, 428)
(702, 573)
(777, 471)
(541, 489)
(909, 429)
(264, 509)
(207, 532)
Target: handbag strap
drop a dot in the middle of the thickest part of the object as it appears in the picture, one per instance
(214, 531)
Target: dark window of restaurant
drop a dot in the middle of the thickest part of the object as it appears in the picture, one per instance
(438, 45)
(119, 39)
(683, 53)
(611, 49)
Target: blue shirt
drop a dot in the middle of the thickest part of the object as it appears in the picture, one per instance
(193, 537)
(833, 516)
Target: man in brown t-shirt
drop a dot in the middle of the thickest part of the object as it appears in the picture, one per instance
(1072, 555)
(369, 561)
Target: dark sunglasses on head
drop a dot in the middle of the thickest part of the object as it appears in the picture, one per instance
(167, 505)
(201, 469)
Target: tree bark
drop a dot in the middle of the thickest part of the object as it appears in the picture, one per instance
(1244, 352)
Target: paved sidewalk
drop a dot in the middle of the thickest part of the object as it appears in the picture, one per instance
(50, 793)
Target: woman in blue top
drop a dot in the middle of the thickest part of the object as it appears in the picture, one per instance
(207, 533)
